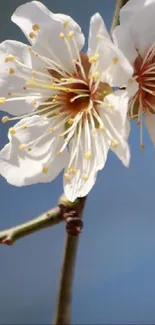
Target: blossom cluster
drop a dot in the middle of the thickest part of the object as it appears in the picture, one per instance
(70, 107)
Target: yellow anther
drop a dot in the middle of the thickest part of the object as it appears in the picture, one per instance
(32, 35)
(73, 170)
(9, 93)
(114, 144)
(70, 79)
(101, 127)
(90, 76)
(70, 34)
(131, 80)
(29, 149)
(74, 61)
(36, 54)
(88, 155)
(99, 37)
(87, 111)
(30, 48)
(60, 135)
(70, 121)
(34, 103)
(94, 75)
(51, 130)
(115, 60)
(67, 177)
(85, 177)
(67, 90)
(25, 126)
(22, 146)
(57, 113)
(93, 131)
(65, 24)
(11, 71)
(36, 28)
(59, 153)
(24, 88)
(111, 106)
(33, 79)
(45, 170)
(12, 131)
(9, 58)
(62, 36)
(94, 58)
(142, 147)
(5, 119)
(55, 98)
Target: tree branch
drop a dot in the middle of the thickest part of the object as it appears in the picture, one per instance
(63, 309)
(115, 21)
(48, 219)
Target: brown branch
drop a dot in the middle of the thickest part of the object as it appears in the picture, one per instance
(63, 309)
(115, 21)
(48, 219)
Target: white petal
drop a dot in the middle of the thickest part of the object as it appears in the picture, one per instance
(23, 167)
(150, 124)
(118, 100)
(115, 121)
(79, 184)
(131, 8)
(141, 27)
(112, 64)
(97, 28)
(76, 185)
(13, 83)
(124, 42)
(100, 149)
(47, 40)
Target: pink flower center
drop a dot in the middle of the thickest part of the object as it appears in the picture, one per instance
(144, 72)
(79, 91)
(144, 100)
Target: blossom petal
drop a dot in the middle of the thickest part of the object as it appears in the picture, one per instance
(43, 29)
(76, 184)
(150, 124)
(124, 42)
(85, 162)
(115, 121)
(142, 34)
(131, 8)
(11, 77)
(112, 65)
(37, 162)
(16, 64)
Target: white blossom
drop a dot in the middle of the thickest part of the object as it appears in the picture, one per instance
(136, 38)
(69, 116)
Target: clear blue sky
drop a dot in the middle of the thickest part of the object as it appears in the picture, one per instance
(115, 270)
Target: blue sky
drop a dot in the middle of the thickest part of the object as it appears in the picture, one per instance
(115, 270)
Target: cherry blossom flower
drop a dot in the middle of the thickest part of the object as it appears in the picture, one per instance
(69, 116)
(135, 36)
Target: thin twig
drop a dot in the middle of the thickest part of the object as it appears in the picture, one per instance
(63, 308)
(48, 219)
(115, 21)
